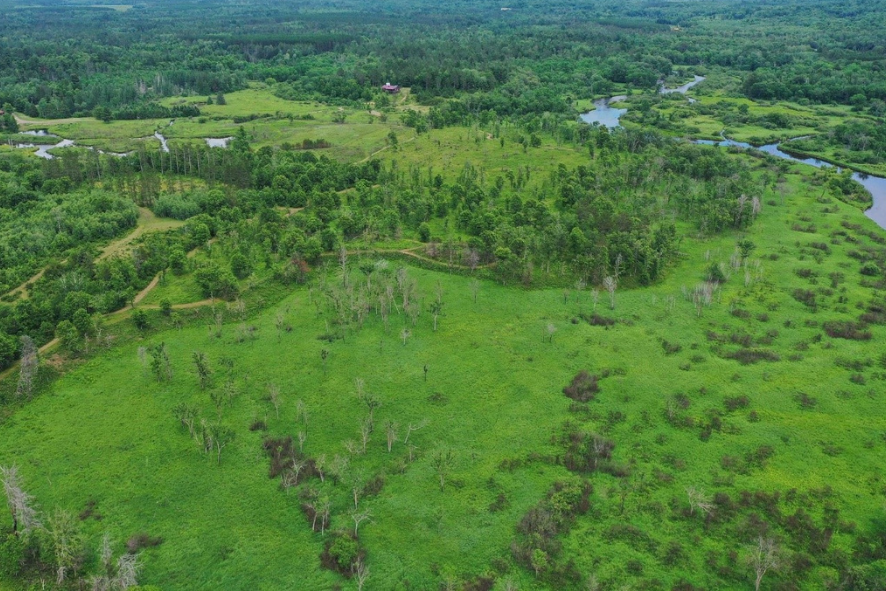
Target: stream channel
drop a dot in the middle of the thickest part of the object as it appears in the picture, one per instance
(608, 116)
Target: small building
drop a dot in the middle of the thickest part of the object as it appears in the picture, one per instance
(391, 88)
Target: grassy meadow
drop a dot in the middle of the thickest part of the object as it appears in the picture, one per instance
(487, 384)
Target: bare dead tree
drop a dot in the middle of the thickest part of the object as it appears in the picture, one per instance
(279, 323)
(28, 367)
(595, 296)
(297, 467)
(274, 397)
(617, 269)
(391, 433)
(360, 517)
(104, 581)
(218, 322)
(550, 329)
(20, 503)
(301, 413)
(472, 258)
(410, 428)
(320, 466)
(580, 285)
(365, 432)
(372, 403)
(404, 334)
(756, 206)
(325, 508)
(764, 557)
(475, 288)
(611, 283)
(204, 372)
(128, 568)
(436, 310)
(343, 265)
(302, 437)
(698, 500)
(356, 487)
(106, 553)
(600, 447)
(143, 359)
(339, 467)
(361, 573)
(66, 542)
(413, 310)
(442, 462)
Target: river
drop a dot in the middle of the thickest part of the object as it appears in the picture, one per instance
(43, 149)
(608, 116)
(875, 185)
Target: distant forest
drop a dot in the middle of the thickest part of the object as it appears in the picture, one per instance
(68, 60)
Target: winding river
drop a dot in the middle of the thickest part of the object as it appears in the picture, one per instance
(608, 116)
(42, 150)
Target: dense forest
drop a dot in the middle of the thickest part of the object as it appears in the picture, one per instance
(531, 59)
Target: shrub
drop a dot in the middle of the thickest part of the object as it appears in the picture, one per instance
(140, 319)
(805, 401)
(870, 269)
(140, 541)
(671, 348)
(12, 556)
(424, 232)
(750, 356)
(733, 403)
(240, 266)
(340, 553)
(597, 320)
(805, 297)
(854, 331)
(583, 387)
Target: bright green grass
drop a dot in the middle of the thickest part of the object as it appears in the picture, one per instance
(106, 431)
(360, 136)
(253, 101)
(448, 150)
(177, 289)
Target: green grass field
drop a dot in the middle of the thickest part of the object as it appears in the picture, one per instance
(277, 121)
(105, 432)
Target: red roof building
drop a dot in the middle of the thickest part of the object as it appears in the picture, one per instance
(392, 88)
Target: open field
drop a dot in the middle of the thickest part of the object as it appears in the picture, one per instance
(492, 397)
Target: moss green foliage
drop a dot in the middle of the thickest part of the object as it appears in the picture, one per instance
(682, 441)
(452, 337)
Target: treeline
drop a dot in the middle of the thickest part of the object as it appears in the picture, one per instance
(532, 60)
(611, 218)
(55, 229)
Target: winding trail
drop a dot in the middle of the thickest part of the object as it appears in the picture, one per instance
(147, 222)
(123, 313)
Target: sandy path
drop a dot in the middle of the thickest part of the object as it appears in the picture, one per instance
(22, 120)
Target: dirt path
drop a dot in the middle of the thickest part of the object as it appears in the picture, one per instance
(368, 158)
(23, 288)
(22, 120)
(141, 295)
(147, 222)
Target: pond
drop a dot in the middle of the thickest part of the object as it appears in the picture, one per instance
(607, 116)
